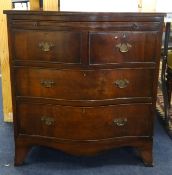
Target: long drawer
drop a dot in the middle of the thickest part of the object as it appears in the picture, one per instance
(65, 122)
(84, 84)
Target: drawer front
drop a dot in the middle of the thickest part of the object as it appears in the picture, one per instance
(86, 25)
(121, 47)
(85, 123)
(57, 46)
(84, 84)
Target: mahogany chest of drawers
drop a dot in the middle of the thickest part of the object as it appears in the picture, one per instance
(84, 82)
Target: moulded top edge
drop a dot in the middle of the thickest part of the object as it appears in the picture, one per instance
(66, 13)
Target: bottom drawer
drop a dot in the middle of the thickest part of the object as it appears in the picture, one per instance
(85, 123)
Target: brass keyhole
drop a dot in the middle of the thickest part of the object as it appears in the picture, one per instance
(83, 110)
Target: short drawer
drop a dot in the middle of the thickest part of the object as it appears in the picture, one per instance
(84, 84)
(57, 46)
(121, 47)
(88, 123)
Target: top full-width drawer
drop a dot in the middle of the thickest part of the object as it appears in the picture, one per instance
(121, 47)
(57, 46)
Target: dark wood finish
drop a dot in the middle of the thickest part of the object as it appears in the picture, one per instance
(146, 154)
(103, 47)
(84, 82)
(65, 46)
(21, 151)
(91, 123)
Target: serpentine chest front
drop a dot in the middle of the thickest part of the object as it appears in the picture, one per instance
(84, 82)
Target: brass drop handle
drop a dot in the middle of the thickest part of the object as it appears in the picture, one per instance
(120, 121)
(47, 120)
(122, 83)
(46, 46)
(124, 47)
(47, 83)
